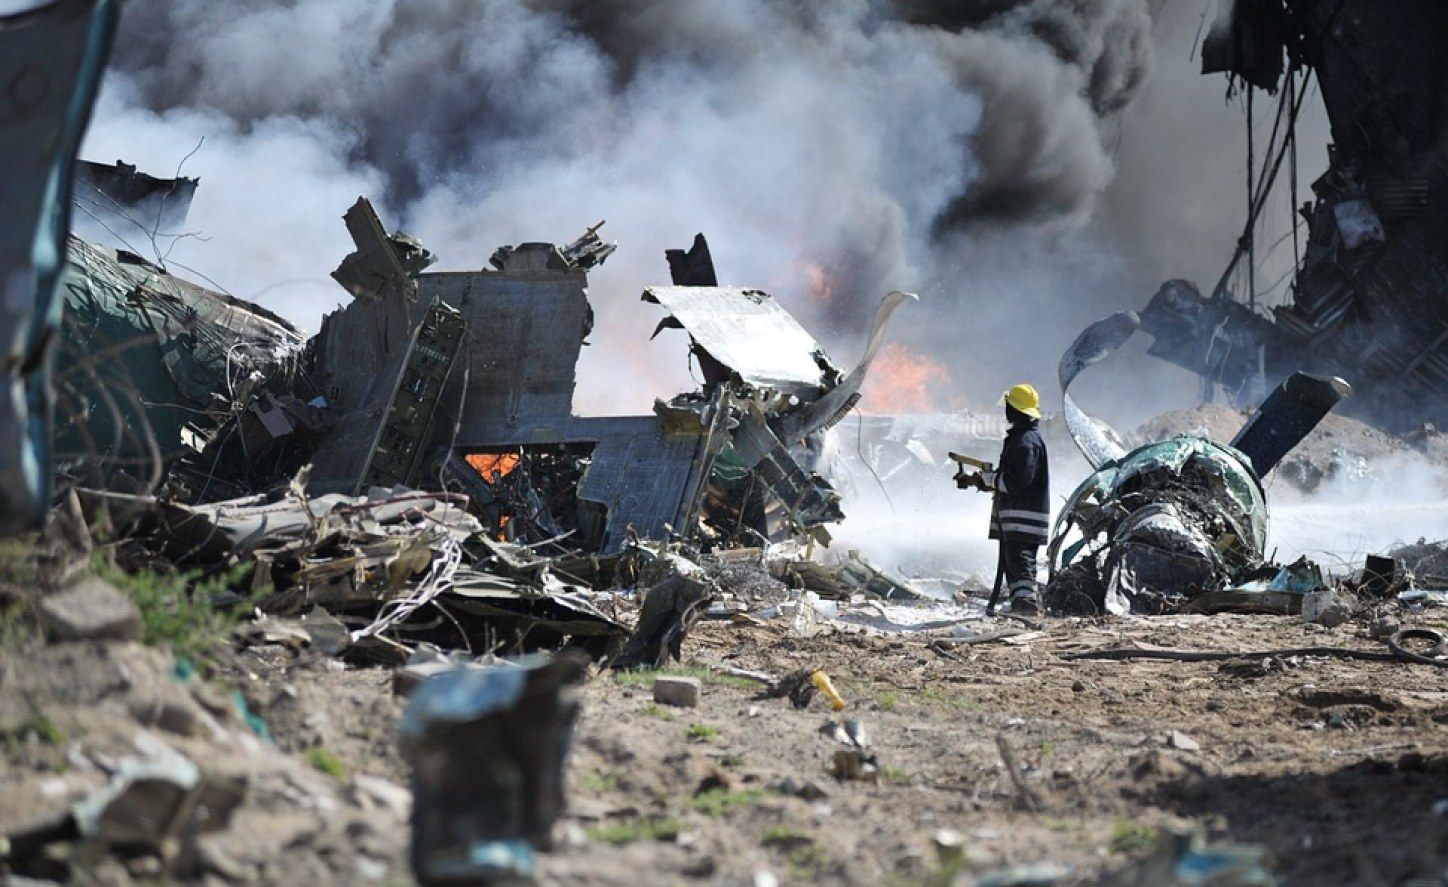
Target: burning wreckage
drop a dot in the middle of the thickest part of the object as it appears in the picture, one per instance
(428, 425)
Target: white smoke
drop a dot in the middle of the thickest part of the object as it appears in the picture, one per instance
(1370, 505)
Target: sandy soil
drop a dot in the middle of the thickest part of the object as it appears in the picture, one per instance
(1334, 765)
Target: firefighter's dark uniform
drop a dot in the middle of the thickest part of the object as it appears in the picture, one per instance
(1021, 514)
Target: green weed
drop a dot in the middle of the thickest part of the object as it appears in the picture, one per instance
(39, 728)
(632, 830)
(886, 701)
(644, 677)
(808, 863)
(177, 609)
(783, 836)
(599, 782)
(658, 711)
(1129, 836)
(325, 761)
(936, 697)
(718, 801)
(701, 732)
(894, 775)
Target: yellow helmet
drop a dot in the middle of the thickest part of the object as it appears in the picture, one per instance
(1025, 399)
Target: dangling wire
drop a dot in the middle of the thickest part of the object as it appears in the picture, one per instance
(1249, 235)
(1292, 137)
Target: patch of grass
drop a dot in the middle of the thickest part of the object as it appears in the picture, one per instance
(1129, 836)
(731, 760)
(21, 581)
(701, 732)
(658, 711)
(808, 863)
(894, 775)
(323, 760)
(1047, 748)
(886, 701)
(938, 698)
(1060, 826)
(20, 561)
(718, 801)
(177, 609)
(784, 836)
(18, 626)
(37, 727)
(599, 782)
(644, 677)
(633, 830)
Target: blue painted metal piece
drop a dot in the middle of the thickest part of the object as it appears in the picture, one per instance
(51, 59)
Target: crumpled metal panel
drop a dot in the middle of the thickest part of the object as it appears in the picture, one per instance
(165, 351)
(643, 477)
(1211, 475)
(1096, 441)
(748, 332)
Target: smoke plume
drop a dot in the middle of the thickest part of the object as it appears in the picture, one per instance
(827, 149)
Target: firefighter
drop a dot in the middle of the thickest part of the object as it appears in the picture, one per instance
(1021, 510)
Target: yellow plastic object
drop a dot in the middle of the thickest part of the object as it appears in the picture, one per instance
(1024, 398)
(824, 685)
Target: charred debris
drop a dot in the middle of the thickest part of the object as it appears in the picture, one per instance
(419, 454)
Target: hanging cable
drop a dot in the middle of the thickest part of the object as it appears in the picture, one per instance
(1249, 235)
(1292, 169)
(1263, 189)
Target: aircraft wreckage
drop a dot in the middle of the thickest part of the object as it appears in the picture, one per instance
(1367, 287)
(1179, 524)
(459, 382)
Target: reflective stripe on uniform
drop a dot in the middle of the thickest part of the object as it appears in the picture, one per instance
(1033, 524)
(1031, 530)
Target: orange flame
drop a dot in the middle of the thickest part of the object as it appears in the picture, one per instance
(901, 381)
(820, 285)
(487, 463)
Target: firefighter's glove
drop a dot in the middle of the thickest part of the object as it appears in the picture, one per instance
(972, 481)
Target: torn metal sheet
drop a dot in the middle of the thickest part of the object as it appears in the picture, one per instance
(732, 464)
(51, 59)
(747, 331)
(1097, 442)
(669, 610)
(488, 749)
(120, 206)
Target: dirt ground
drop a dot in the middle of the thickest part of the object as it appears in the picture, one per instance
(1338, 767)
